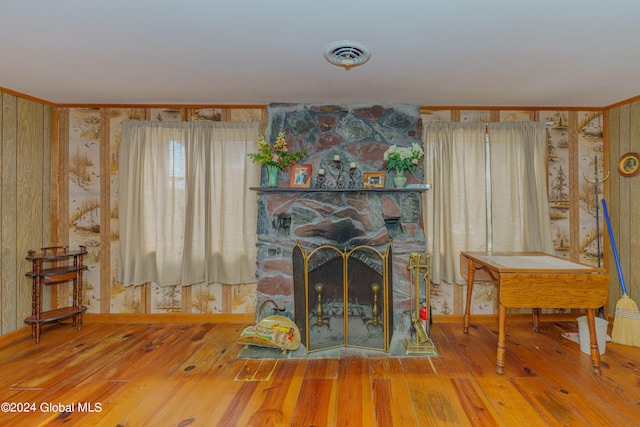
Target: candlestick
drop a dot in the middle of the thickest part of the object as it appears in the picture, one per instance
(336, 158)
(320, 171)
(352, 165)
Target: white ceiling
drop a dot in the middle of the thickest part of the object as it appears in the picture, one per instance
(537, 53)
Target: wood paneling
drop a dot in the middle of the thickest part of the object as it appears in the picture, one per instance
(25, 210)
(29, 175)
(574, 187)
(623, 200)
(633, 215)
(9, 214)
(105, 211)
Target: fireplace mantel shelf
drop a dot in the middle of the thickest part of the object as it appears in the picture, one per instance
(335, 190)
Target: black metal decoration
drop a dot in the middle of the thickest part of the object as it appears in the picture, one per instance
(334, 174)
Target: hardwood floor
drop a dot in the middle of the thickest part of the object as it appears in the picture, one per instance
(189, 374)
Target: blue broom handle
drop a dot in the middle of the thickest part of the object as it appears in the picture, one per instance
(613, 247)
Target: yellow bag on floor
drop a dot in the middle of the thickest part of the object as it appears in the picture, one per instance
(273, 331)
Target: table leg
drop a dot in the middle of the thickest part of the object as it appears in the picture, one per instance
(536, 319)
(502, 324)
(467, 309)
(595, 352)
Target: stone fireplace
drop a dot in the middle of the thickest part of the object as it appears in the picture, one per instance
(294, 222)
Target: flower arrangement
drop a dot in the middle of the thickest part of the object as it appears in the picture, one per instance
(403, 159)
(276, 154)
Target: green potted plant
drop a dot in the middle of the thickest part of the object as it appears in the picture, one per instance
(402, 160)
(275, 157)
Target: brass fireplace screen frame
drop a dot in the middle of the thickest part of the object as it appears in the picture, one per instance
(366, 307)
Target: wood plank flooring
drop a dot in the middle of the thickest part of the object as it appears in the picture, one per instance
(190, 375)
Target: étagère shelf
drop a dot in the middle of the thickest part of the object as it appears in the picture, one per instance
(54, 275)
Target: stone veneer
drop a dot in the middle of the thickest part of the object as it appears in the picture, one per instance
(341, 218)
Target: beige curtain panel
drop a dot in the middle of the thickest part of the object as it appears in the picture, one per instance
(455, 209)
(187, 215)
(489, 191)
(519, 197)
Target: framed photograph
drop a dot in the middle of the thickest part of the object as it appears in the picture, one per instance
(300, 176)
(629, 164)
(373, 180)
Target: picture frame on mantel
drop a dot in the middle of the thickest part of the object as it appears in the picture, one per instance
(629, 164)
(373, 179)
(300, 176)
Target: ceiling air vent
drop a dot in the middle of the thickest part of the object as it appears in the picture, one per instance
(347, 53)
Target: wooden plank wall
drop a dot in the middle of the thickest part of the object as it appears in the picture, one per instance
(25, 136)
(623, 200)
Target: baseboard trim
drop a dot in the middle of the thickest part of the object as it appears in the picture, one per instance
(18, 333)
(249, 318)
(167, 318)
(493, 318)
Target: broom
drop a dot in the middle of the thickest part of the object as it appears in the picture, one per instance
(626, 324)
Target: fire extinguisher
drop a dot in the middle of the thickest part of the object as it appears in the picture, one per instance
(423, 315)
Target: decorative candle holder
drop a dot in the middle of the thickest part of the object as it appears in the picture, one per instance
(321, 180)
(355, 178)
(334, 174)
(336, 170)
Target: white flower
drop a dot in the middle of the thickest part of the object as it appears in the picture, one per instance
(405, 153)
(403, 159)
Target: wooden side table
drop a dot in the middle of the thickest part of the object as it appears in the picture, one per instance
(535, 280)
(54, 275)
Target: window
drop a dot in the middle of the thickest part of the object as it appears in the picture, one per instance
(186, 213)
(176, 165)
